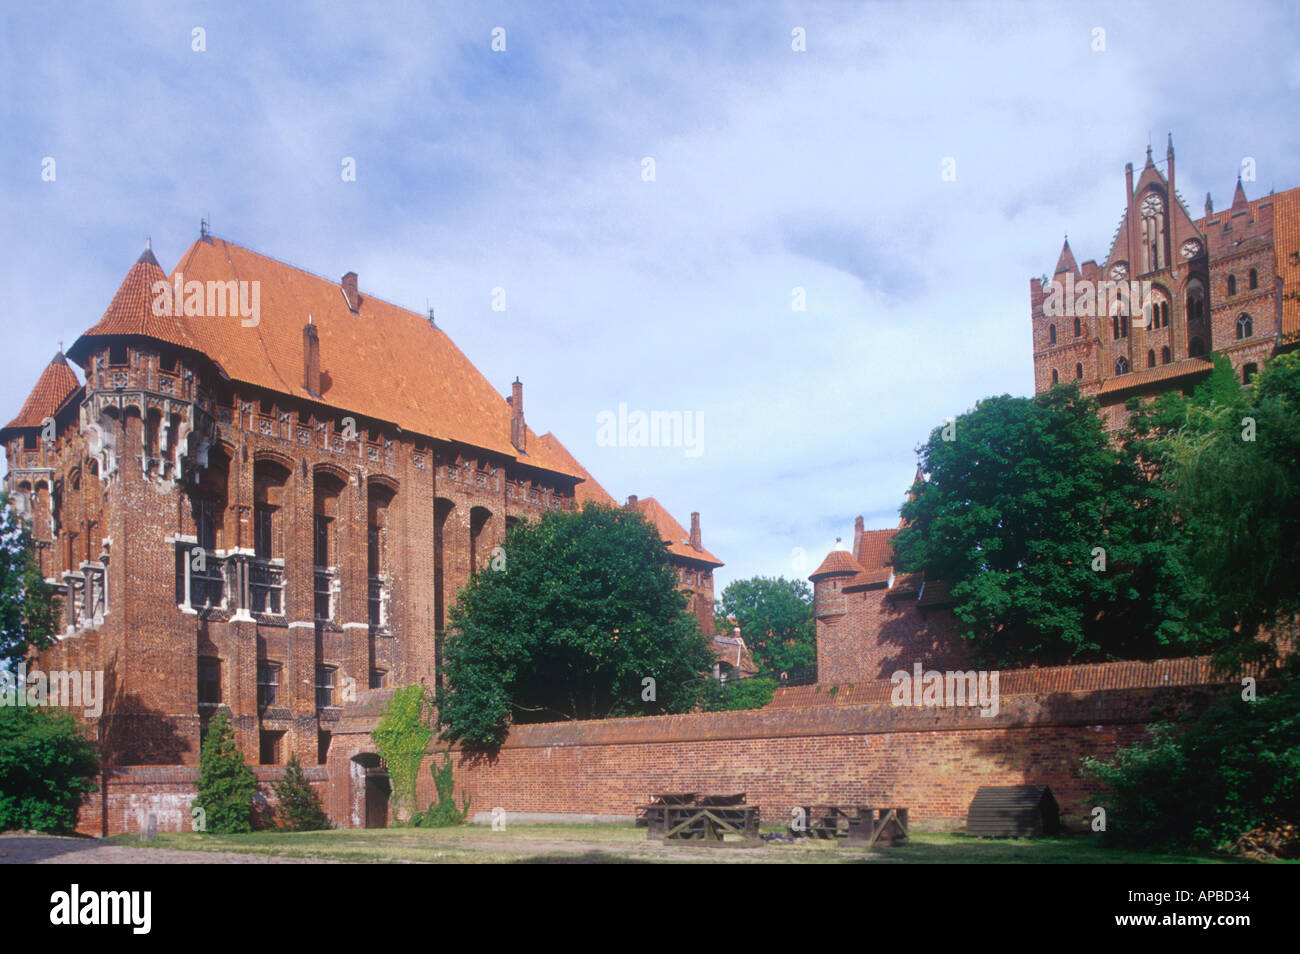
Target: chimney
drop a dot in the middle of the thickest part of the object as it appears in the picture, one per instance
(311, 358)
(631, 502)
(350, 292)
(695, 531)
(857, 538)
(518, 432)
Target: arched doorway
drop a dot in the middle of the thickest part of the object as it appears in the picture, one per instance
(372, 788)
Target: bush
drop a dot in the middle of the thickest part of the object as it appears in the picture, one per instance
(46, 765)
(442, 813)
(753, 693)
(226, 783)
(1202, 786)
(299, 807)
(401, 738)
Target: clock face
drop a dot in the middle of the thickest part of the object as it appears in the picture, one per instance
(1151, 205)
(1191, 248)
(1118, 272)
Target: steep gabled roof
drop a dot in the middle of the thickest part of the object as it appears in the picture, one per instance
(382, 362)
(131, 311)
(674, 535)
(54, 387)
(590, 489)
(1066, 261)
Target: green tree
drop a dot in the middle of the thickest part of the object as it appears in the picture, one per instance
(46, 766)
(226, 783)
(1048, 535)
(298, 808)
(27, 616)
(583, 612)
(735, 694)
(1228, 460)
(401, 739)
(776, 621)
(1202, 785)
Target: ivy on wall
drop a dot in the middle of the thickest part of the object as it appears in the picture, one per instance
(401, 737)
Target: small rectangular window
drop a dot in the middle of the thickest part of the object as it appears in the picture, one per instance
(268, 684)
(270, 745)
(324, 686)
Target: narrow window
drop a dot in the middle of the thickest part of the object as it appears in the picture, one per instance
(209, 681)
(1232, 285)
(1078, 328)
(1051, 334)
(1254, 279)
(1164, 355)
(324, 686)
(1078, 371)
(268, 684)
(1121, 366)
(1243, 326)
(1055, 381)
(322, 746)
(1151, 359)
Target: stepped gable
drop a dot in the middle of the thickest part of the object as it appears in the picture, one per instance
(56, 385)
(377, 360)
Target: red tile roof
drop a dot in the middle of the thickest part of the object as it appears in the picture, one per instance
(733, 651)
(836, 562)
(382, 362)
(54, 387)
(674, 535)
(1163, 372)
(131, 311)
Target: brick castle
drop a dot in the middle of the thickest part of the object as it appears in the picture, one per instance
(265, 504)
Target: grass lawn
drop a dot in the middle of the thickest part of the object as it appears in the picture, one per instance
(627, 844)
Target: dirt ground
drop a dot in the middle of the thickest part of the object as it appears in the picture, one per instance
(57, 850)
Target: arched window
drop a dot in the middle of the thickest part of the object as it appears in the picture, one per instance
(1195, 304)
(1164, 314)
(1243, 326)
(1078, 371)
(1196, 348)
(1232, 284)
(1055, 378)
(1078, 328)
(1121, 366)
(1051, 334)
(1254, 279)
(1248, 371)
(1151, 359)
(1164, 355)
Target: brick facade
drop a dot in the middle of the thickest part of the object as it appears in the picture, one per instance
(266, 516)
(1224, 283)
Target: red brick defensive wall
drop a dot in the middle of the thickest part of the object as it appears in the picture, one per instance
(845, 744)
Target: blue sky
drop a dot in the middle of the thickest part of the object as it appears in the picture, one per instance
(523, 170)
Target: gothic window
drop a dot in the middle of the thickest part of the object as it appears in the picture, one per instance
(1254, 279)
(1054, 377)
(1078, 371)
(1164, 314)
(1151, 359)
(1153, 232)
(1121, 365)
(1196, 348)
(1051, 334)
(1243, 326)
(1232, 284)
(1078, 328)
(1164, 355)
